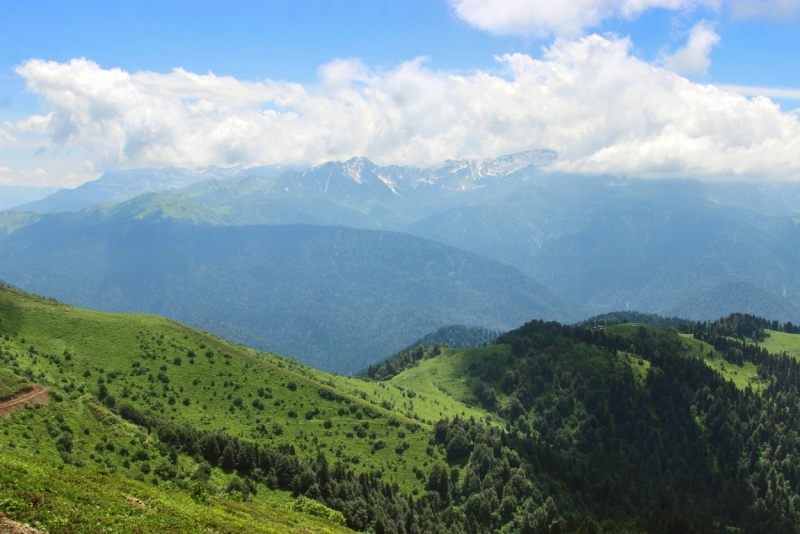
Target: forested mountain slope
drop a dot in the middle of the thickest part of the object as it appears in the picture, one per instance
(661, 246)
(336, 298)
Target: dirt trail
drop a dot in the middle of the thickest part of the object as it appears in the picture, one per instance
(37, 395)
(8, 526)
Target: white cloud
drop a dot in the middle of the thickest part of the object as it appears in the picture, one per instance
(36, 177)
(563, 17)
(4, 170)
(602, 109)
(693, 58)
(771, 92)
(770, 9)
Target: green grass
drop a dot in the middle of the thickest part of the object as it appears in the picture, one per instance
(10, 383)
(778, 342)
(56, 498)
(447, 380)
(431, 390)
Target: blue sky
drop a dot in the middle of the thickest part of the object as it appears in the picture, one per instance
(755, 44)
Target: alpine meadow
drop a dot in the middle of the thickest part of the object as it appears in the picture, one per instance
(441, 267)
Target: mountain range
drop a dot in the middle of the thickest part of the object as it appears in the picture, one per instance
(581, 246)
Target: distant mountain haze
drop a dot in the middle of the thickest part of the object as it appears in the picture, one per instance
(337, 298)
(121, 185)
(12, 196)
(646, 245)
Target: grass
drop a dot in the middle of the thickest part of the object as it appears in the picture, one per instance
(10, 383)
(778, 342)
(58, 498)
(431, 390)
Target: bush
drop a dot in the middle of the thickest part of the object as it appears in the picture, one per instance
(199, 493)
(329, 394)
(310, 507)
(166, 470)
(64, 443)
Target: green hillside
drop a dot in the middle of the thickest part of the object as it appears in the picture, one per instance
(189, 376)
(153, 425)
(779, 342)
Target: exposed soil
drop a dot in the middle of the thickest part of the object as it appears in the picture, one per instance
(36, 395)
(137, 502)
(8, 526)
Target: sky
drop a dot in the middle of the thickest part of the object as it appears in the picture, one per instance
(650, 88)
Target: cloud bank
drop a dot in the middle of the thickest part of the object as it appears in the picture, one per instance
(571, 18)
(601, 108)
(765, 9)
(567, 18)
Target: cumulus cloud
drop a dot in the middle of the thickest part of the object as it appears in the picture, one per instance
(565, 17)
(600, 107)
(693, 58)
(769, 9)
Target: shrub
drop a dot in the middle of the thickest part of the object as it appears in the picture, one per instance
(64, 443)
(307, 506)
(199, 493)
